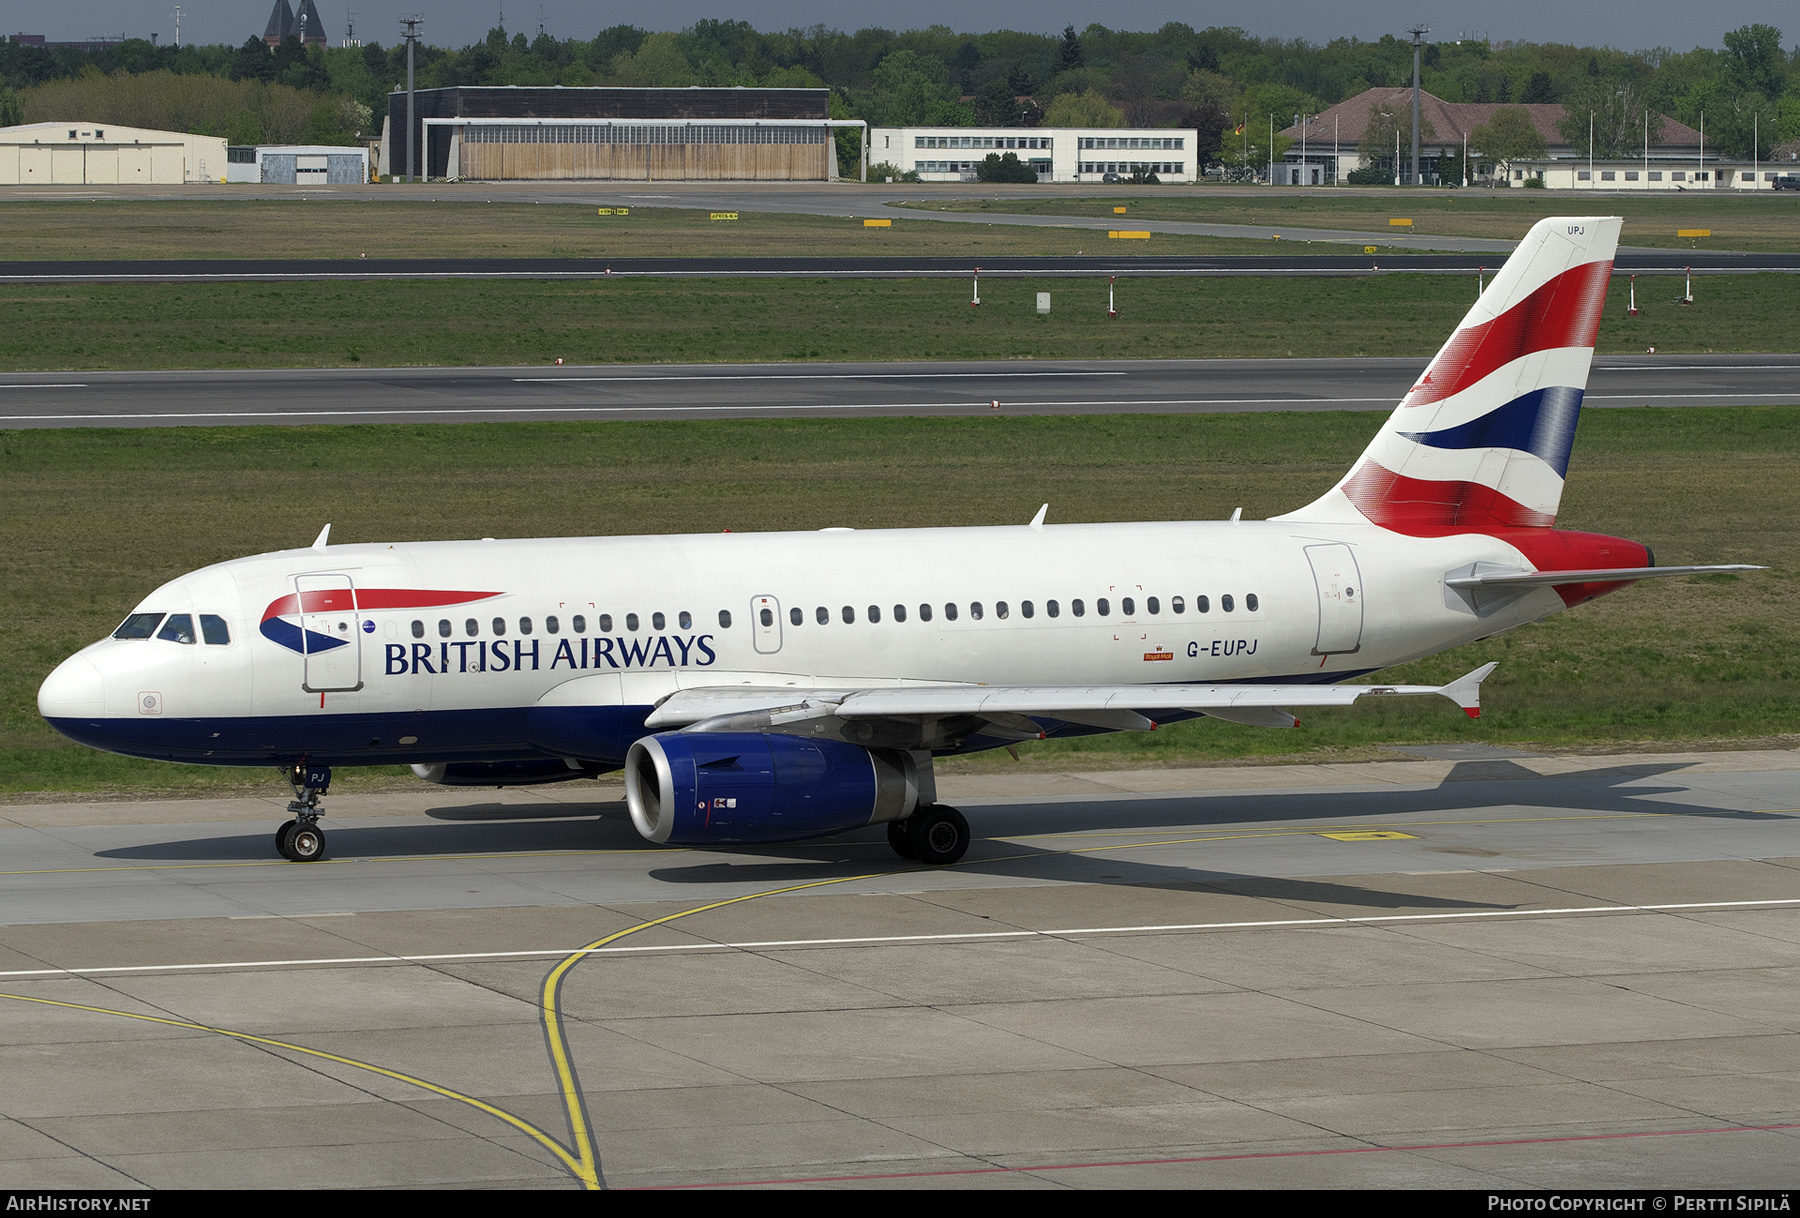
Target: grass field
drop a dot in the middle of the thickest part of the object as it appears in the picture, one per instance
(459, 228)
(91, 521)
(391, 323)
(1766, 222)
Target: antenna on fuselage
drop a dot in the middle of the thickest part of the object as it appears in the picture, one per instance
(1037, 521)
(319, 541)
(1237, 514)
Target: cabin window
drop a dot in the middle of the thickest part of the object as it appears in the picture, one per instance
(605, 623)
(1250, 602)
(418, 629)
(1052, 608)
(657, 621)
(631, 623)
(138, 626)
(724, 619)
(1176, 605)
(499, 626)
(1202, 605)
(578, 624)
(1001, 611)
(849, 615)
(524, 625)
(471, 627)
(899, 613)
(214, 630)
(686, 619)
(768, 617)
(822, 615)
(795, 616)
(1153, 605)
(1077, 608)
(443, 628)
(1127, 606)
(875, 613)
(924, 613)
(975, 611)
(950, 611)
(1027, 609)
(551, 625)
(178, 629)
(1225, 603)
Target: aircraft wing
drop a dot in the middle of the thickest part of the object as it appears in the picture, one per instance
(1014, 708)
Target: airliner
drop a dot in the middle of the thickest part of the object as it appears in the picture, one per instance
(773, 687)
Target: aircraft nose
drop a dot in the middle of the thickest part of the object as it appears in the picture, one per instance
(76, 690)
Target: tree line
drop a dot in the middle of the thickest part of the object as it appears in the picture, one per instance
(1221, 81)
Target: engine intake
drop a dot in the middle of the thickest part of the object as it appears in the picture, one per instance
(716, 788)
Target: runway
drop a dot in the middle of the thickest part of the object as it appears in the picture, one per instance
(1285, 266)
(712, 391)
(864, 200)
(1465, 967)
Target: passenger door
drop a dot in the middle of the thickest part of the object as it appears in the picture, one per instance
(330, 633)
(1340, 599)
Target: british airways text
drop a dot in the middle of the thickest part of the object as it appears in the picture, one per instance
(520, 655)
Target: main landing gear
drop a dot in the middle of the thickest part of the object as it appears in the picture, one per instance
(936, 834)
(301, 840)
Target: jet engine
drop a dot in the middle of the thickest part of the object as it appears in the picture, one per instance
(710, 788)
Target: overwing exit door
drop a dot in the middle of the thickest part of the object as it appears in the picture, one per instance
(765, 624)
(330, 633)
(1340, 599)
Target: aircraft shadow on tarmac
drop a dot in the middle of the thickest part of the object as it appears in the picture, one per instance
(495, 829)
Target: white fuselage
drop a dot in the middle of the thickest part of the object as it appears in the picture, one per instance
(414, 677)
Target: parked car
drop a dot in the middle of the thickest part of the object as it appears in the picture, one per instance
(1787, 182)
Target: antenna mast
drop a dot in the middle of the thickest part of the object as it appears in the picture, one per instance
(412, 24)
(1418, 33)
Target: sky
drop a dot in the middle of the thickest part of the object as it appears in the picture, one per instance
(1679, 24)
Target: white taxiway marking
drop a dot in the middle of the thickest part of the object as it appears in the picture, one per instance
(68, 385)
(889, 940)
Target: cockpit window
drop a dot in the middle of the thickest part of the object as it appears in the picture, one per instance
(178, 629)
(138, 626)
(214, 630)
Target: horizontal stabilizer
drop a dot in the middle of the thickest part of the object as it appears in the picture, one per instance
(1598, 575)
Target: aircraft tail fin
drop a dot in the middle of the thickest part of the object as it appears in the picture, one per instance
(1482, 440)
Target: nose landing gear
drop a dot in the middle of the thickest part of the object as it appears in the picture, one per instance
(301, 840)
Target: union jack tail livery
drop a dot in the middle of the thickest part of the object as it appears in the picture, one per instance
(1481, 443)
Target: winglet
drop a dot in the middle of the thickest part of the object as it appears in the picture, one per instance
(319, 541)
(1037, 521)
(1465, 691)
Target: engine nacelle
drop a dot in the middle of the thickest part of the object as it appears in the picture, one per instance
(503, 773)
(716, 788)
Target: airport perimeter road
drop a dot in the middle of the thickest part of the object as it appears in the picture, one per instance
(1472, 968)
(702, 391)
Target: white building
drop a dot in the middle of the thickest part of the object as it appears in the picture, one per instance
(1059, 154)
(1696, 173)
(297, 164)
(90, 154)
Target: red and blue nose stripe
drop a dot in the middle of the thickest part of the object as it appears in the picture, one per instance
(348, 600)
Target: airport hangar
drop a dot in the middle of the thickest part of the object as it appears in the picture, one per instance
(528, 133)
(89, 154)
